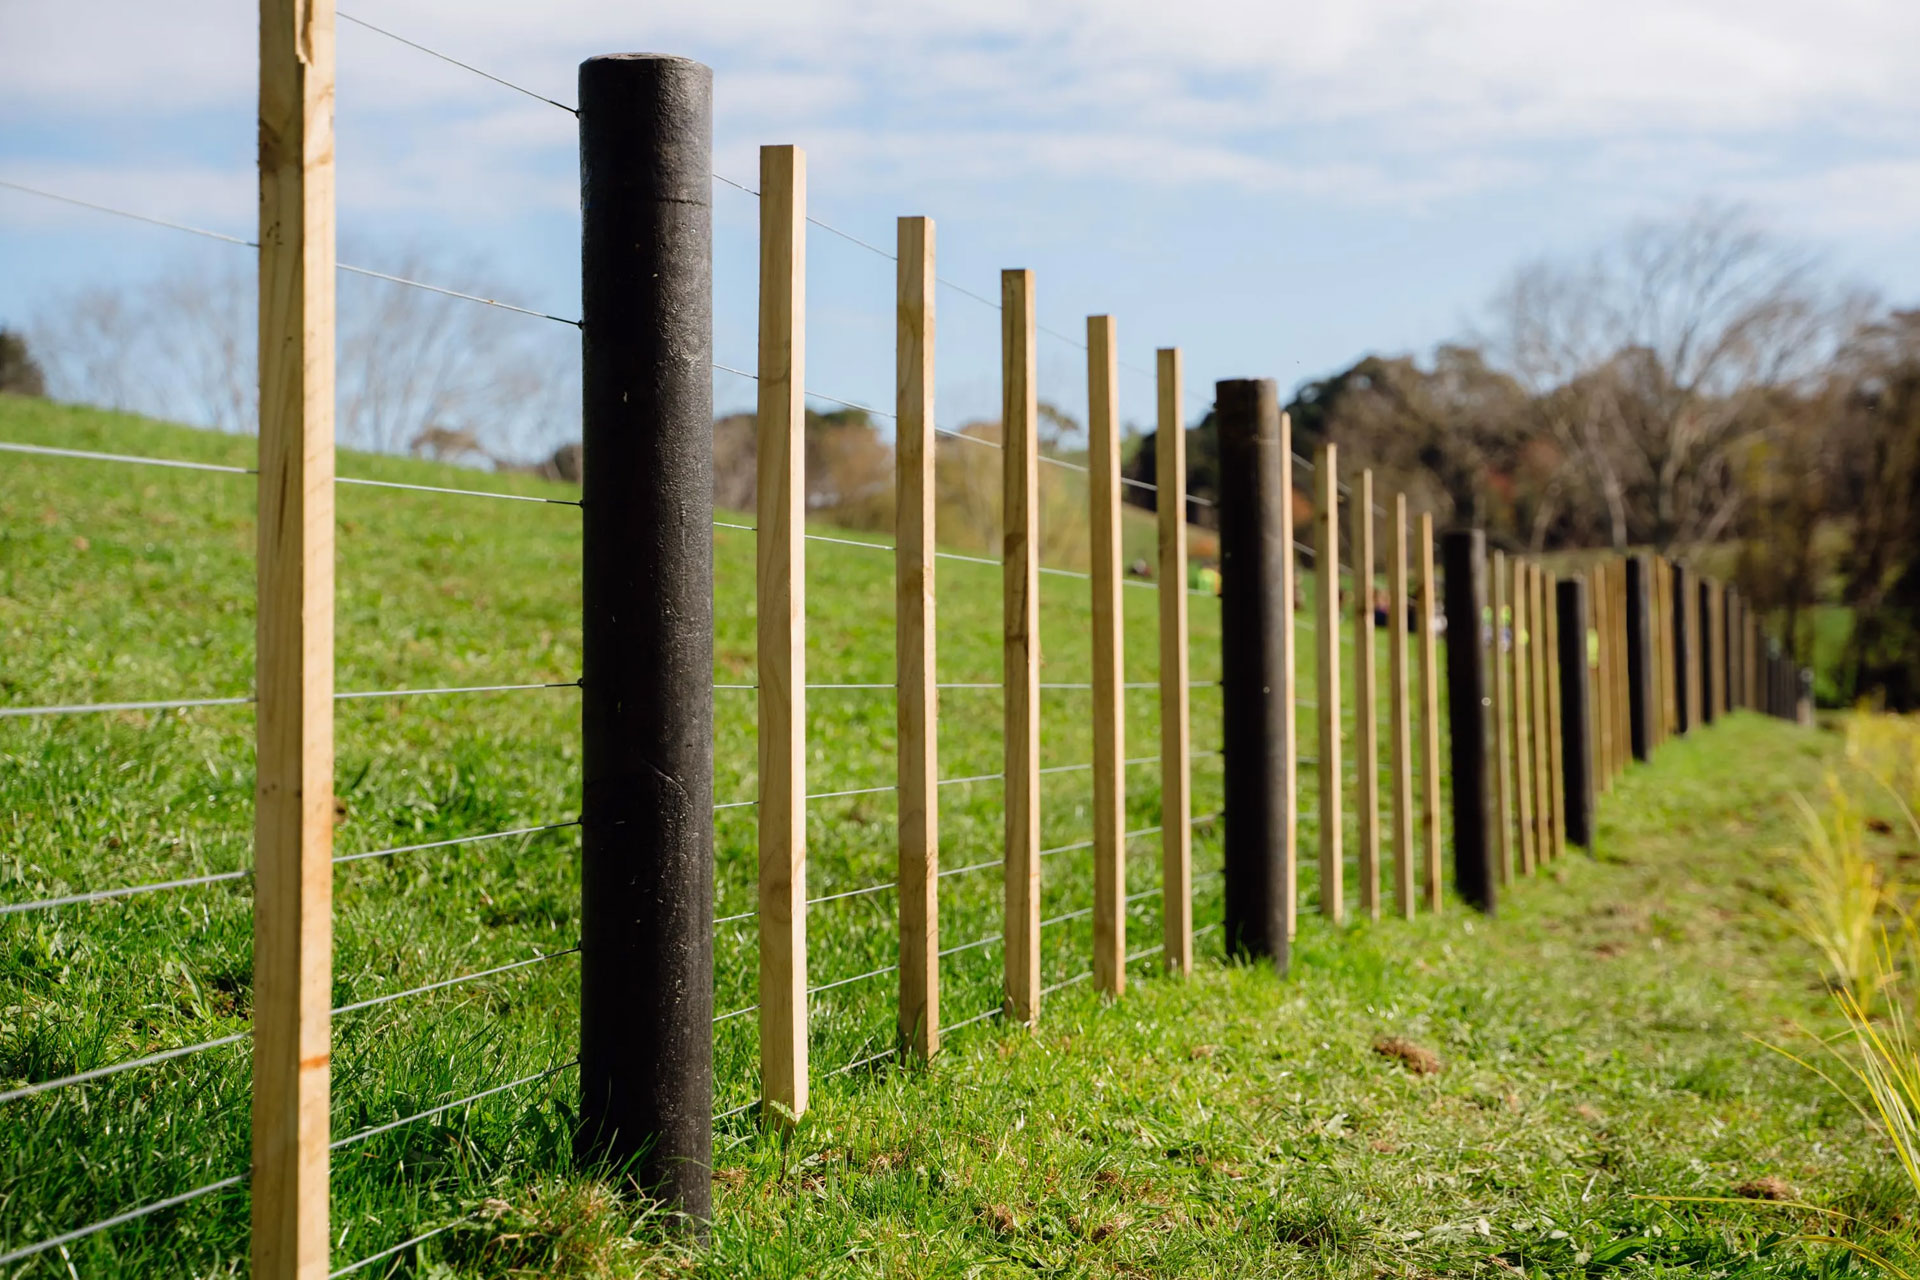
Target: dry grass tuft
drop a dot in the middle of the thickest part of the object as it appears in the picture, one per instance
(1419, 1060)
(1767, 1188)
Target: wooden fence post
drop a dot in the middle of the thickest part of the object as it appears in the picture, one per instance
(1400, 712)
(915, 640)
(1601, 708)
(1430, 716)
(1686, 686)
(1366, 712)
(293, 677)
(1521, 705)
(1326, 635)
(1020, 594)
(1176, 741)
(1109, 716)
(1254, 617)
(646, 602)
(781, 610)
(1501, 695)
(1473, 872)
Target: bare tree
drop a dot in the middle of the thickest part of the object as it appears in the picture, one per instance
(413, 366)
(1654, 362)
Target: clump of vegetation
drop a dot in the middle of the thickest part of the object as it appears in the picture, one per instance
(1853, 913)
(1844, 897)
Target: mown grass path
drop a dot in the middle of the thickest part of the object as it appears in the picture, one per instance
(1598, 1042)
(1594, 1039)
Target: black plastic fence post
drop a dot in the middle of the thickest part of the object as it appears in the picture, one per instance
(1253, 609)
(1641, 707)
(1464, 555)
(646, 878)
(1682, 649)
(1576, 742)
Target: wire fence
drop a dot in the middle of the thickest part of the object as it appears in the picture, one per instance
(457, 923)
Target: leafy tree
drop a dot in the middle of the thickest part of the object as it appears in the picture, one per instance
(19, 373)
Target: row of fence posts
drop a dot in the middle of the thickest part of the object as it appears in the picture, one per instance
(1561, 679)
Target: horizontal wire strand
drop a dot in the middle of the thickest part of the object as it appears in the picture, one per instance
(465, 493)
(422, 1238)
(131, 1064)
(457, 840)
(1059, 986)
(118, 1219)
(94, 455)
(868, 1061)
(854, 893)
(167, 1055)
(103, 895)
(174, 704)
(347, 267)
(430, 1112)
(464, 66)
(994, 1012)
(858, 977)
(455, 982)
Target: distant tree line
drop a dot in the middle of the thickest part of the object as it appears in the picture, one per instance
(1697, 386)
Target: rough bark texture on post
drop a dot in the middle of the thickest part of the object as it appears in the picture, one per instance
(1176, 827)
(1641, 706)
(1366, 711)
(1465, 556)
(1400, 712)
(1430, 717)
(1109, 716)
(293, 645)
(1020, 625)
(646, 868)
(1576, 742)
(1253, 552)
(780, 603)
(1326, 636)
(918, 701)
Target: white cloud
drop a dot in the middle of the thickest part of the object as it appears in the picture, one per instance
(1366, 102)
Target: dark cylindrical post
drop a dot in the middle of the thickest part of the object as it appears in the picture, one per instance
(1705, 645)
(1464, 554)
(1682, 649)
(646, 877)
(1641, 706)
(1576, 741)
(1253, 610)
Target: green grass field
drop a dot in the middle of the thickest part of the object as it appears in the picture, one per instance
(1232, 1125)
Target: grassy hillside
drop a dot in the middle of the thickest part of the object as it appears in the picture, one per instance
(1234, 1125)
(125, 583)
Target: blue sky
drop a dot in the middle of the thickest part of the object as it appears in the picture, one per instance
(1276, 188)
